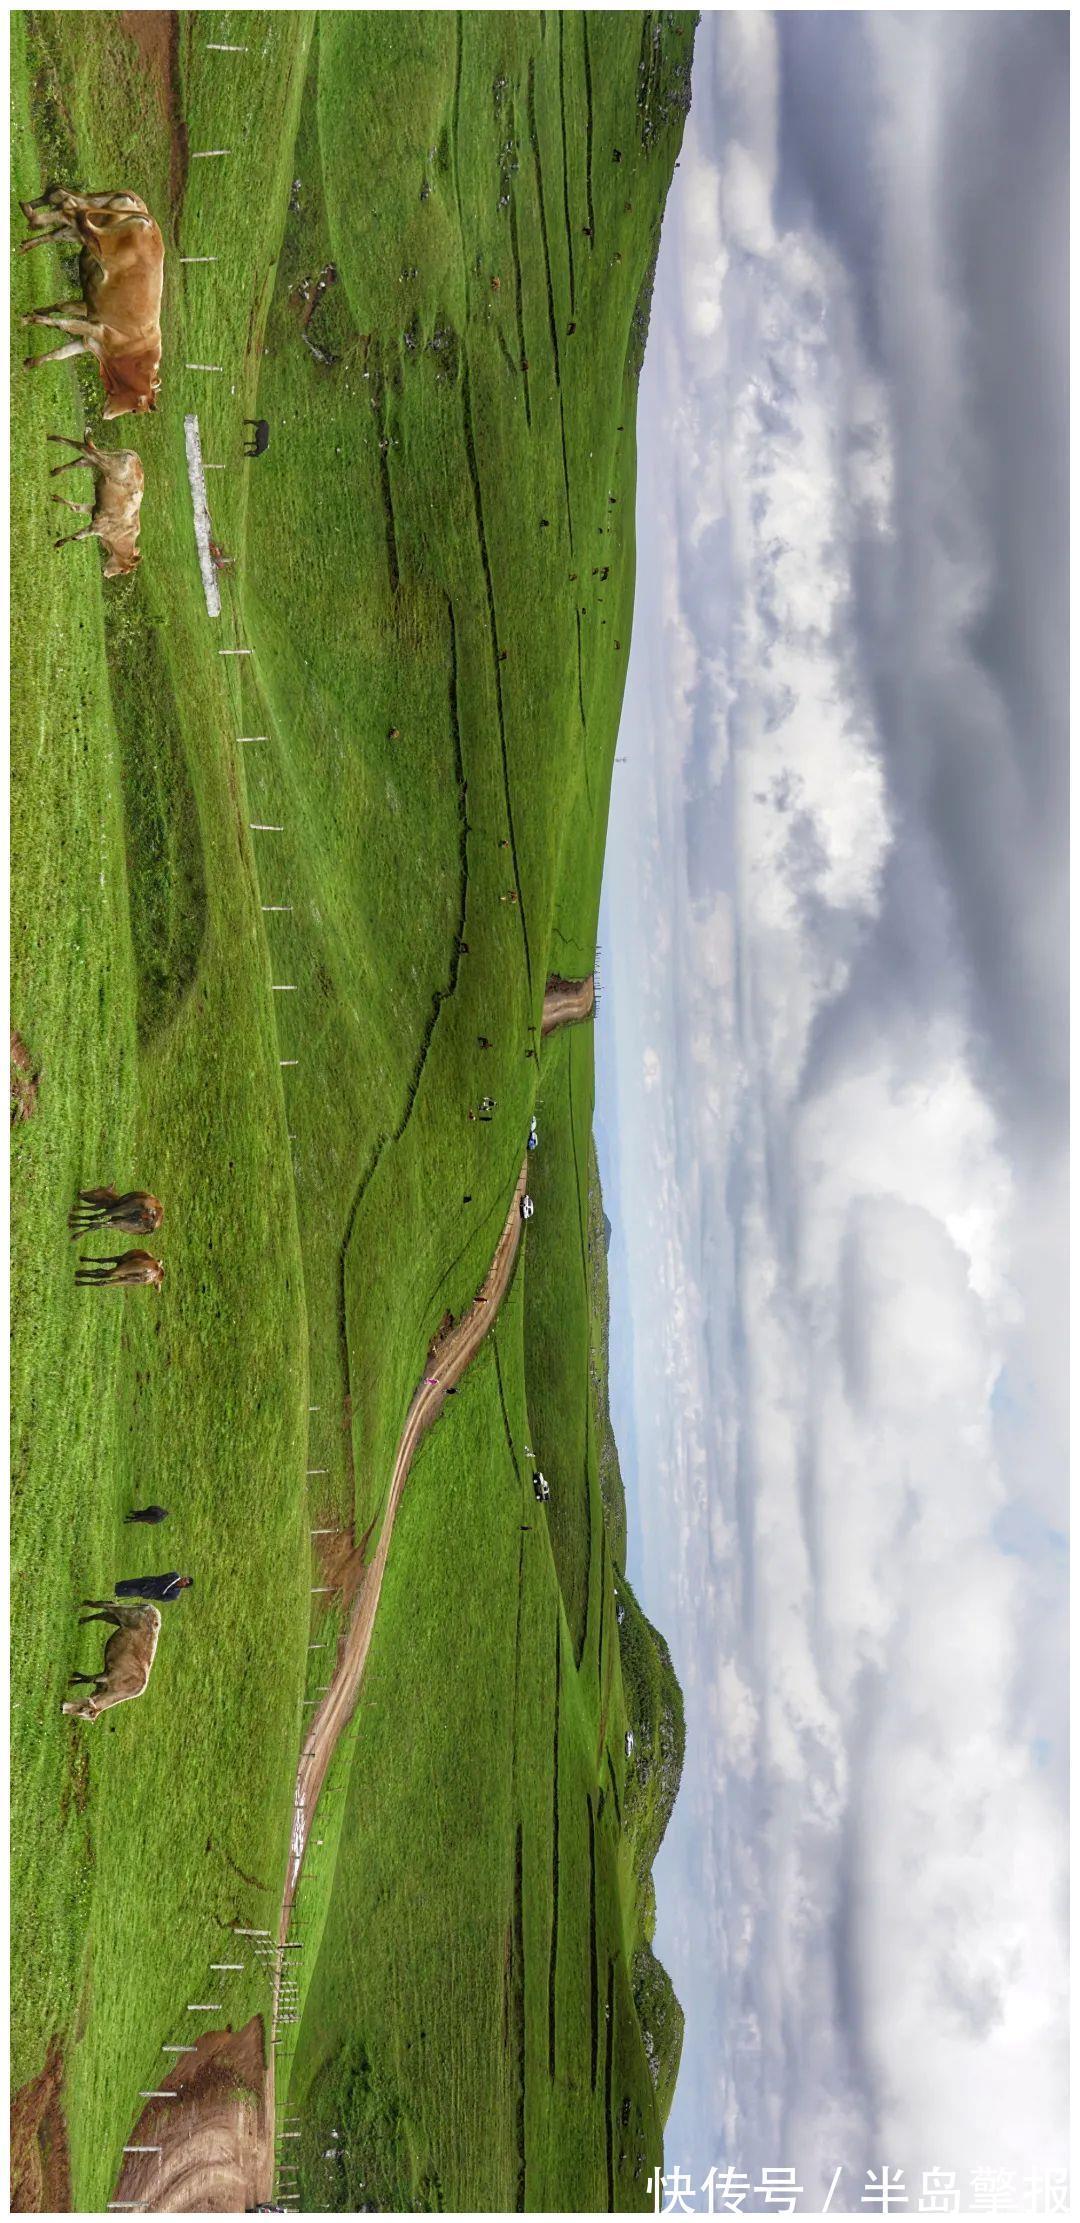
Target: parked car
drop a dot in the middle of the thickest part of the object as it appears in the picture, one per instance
(527, 1207)
(628, 1745)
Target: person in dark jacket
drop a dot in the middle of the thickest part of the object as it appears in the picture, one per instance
(163, 1587)
(151, 1514)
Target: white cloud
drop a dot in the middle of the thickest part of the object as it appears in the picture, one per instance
(735, 1712)
(832, 1259)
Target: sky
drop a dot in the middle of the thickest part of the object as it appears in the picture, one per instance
(832, 1090)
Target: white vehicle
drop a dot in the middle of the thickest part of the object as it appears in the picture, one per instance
(629, 1744)
(527, 1207)
(541, 1488)
(532, 1124)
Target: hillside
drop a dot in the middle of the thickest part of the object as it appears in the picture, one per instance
(299, 923)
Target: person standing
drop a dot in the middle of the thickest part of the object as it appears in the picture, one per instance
(163, 1588)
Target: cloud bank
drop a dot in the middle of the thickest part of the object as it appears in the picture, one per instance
(835, 1027)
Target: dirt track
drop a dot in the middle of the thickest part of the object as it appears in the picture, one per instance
(217, 2153)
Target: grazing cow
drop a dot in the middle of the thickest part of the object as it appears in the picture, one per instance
(129, 1656)
(128, 1269)
(136, 1212)
(114, 511)
(118, 319)
(261, 436)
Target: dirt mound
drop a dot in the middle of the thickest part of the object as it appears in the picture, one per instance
(40, 2169)
(214, 2139)
(341, 1563)
(567, 1000)
(24, 1080)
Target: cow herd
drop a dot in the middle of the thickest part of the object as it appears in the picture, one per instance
(118, 321)
(136, 1212)
(129, 1653)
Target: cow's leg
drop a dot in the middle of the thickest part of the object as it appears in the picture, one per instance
(52, 202)
(79, 327)
(81, 1679)
(82, 509)
(105, 1603)
(58, 354)
(59, 308)
(87, 532)
(60, 235)
(77, 463)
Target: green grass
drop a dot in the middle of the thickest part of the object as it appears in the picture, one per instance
(149, 1014)
(432, 683)
(609, 1471)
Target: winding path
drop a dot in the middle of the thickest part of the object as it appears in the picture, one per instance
(217, 2153)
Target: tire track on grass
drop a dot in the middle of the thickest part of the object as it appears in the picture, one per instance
(588, 126)
(440, 996)
(565, 164)
(594, 1965)
(607, 2087)
(519, 299)
(474, 475)
(535, 144)
(582, 1635)
(553, 1964)
(519, 2012)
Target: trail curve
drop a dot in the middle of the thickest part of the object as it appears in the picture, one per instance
(216, 2153)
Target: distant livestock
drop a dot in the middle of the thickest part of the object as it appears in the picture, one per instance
(129, 1656)
(114, 511)
(135, 1212)
(260, 436)
(118, 319)
(128, 1269)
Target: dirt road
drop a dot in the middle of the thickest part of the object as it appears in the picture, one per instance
(217, 2157)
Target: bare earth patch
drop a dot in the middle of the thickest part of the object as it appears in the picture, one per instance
(156, 34)
(40, 2169)
(24, 1080)
(213, 2138)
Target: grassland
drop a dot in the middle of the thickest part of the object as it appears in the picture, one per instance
(438, 668)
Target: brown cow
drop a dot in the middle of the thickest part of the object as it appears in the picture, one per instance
(135, 1212)
(128, 1269)
(114, 511)
(129, 1656)
(121, 265)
